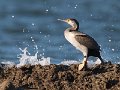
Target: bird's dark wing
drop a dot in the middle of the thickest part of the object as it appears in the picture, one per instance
(87, 41)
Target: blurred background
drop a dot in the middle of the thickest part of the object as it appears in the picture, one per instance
(26, 23)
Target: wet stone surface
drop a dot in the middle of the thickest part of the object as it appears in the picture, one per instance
(60, 77)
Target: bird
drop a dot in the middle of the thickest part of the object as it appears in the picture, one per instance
(81, 41)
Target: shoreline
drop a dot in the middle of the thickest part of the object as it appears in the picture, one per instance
(60, 77)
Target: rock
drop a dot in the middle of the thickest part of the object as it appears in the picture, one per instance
(7, 85)
(61, 77)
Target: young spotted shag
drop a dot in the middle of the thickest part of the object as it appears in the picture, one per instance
(83, 42)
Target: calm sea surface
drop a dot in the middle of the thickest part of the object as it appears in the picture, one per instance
(26, 23)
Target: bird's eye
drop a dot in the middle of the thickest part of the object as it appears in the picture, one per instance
(68, 20)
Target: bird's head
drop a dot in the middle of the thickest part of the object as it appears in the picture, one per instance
(73, 22)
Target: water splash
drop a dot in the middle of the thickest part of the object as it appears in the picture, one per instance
(7, 64)
(91, 63)
(26, 58)
(69, 62)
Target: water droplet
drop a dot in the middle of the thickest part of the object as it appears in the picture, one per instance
(46, 10)
(23, 30)
(76, 6)
(109, 40)
(33, 24)
(13, 16)
(43, 49)
(61, 46)
(113, 49)
(49, 41)
(91, 15)
(112, 25)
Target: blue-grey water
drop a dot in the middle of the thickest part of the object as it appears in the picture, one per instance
(24, 20)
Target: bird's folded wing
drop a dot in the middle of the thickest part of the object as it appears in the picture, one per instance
(87, 41)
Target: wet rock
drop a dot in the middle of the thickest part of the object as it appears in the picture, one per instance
(61, 77)
(7, 85)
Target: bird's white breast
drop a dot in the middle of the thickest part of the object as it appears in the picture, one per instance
(70, 36)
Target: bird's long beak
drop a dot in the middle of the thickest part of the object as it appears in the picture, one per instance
(61, 20)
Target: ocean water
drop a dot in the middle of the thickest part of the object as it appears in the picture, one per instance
(31, 23)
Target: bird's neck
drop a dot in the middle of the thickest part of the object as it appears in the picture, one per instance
(75, 27)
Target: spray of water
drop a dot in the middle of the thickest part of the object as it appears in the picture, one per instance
(26, 58)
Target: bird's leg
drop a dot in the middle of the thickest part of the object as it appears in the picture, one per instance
(102, 61)
(83, 64)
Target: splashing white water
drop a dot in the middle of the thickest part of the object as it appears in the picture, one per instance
(26, 58)
(7, 64)
(69, 62)
(90, 62)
